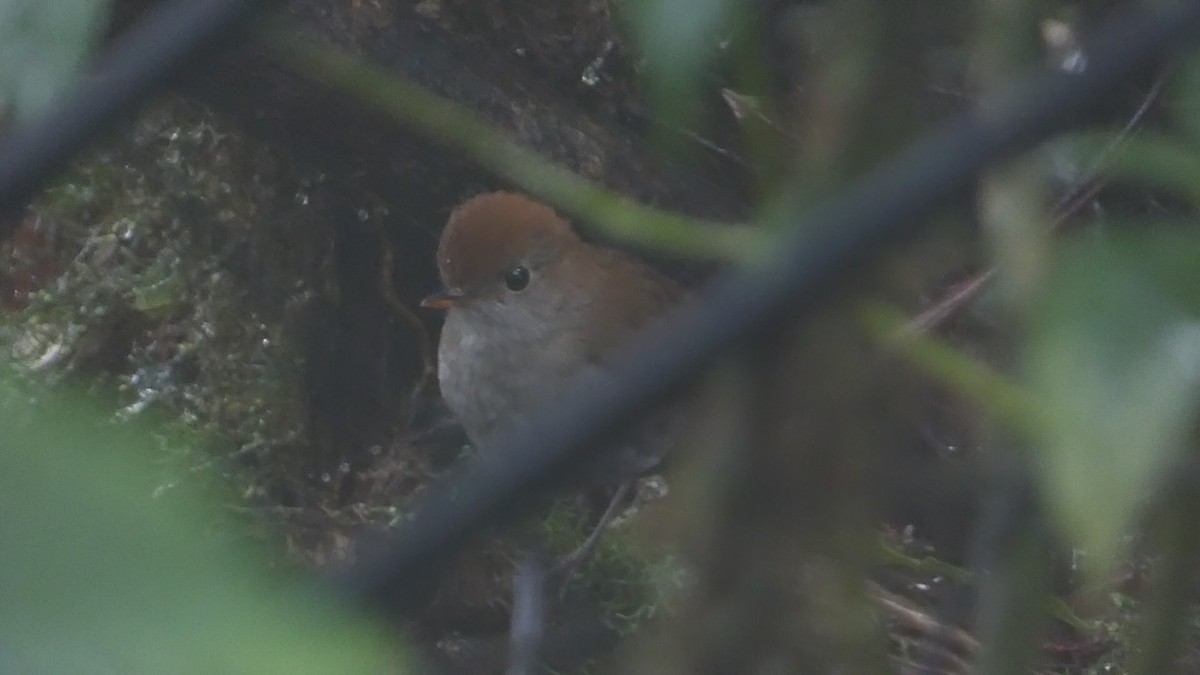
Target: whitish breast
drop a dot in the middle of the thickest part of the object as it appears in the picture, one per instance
(492, 383)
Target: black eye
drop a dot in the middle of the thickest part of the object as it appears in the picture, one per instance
(517, 278)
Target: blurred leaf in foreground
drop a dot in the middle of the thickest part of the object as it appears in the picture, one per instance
(43, 45)
(1114, 356)
(97, 576)
(1186, 90)
(1149, 160)
(678, 38)
(1161, 160)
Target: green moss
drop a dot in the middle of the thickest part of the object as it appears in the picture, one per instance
(177, 260)
(629, 585)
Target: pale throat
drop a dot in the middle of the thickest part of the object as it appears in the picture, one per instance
(497, 365)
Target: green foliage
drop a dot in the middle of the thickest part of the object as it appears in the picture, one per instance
(1003, 397)
(98, 576)
(1113, 350)
(1114, 355)
(1110, 363)
(1112, 366)
(677, 39)
(1105, 397)
(1187, 98)
(43, 44)
(630, 584)
(1162, 160)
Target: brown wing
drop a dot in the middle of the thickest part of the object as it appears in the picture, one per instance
(631, 297)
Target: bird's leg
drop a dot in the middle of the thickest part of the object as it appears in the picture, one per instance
(568, 563)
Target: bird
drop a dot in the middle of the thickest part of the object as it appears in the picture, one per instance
(531, 310)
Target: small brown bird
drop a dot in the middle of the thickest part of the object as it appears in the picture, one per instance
(532, 309)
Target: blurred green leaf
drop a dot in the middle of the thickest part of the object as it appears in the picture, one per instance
(1114, 356)
(953, 368)
(43, 45)
(1151, 160)
(1168, 161)
(677, 39)
(98, 576)
(1186, 91)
